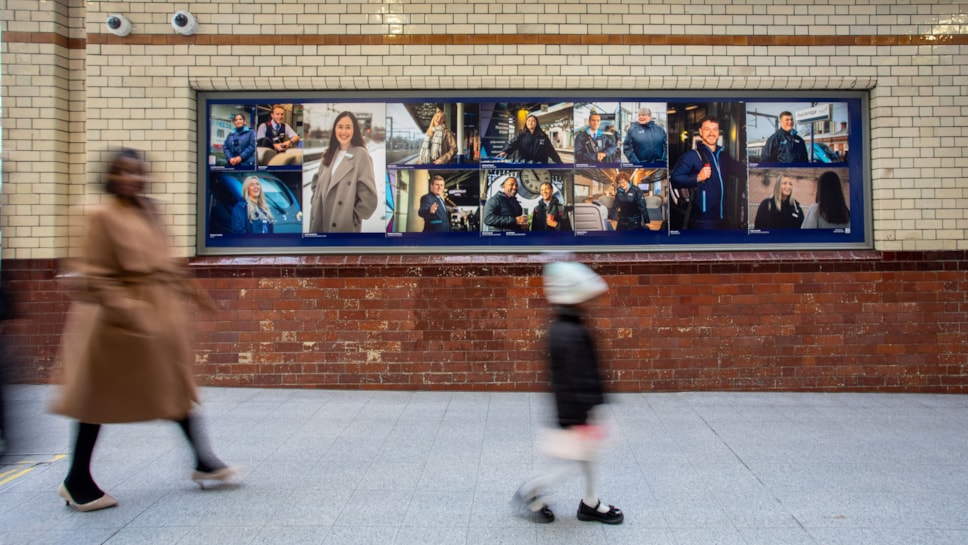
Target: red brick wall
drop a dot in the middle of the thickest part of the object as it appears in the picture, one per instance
(823, 321)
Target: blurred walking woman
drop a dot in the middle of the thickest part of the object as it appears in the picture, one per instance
(781, 211)
(344, 188)
(126, 351)
(830, 211)
(252, 216)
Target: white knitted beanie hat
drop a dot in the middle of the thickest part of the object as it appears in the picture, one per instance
(570, 283)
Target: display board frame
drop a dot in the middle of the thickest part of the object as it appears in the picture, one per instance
(322, 192)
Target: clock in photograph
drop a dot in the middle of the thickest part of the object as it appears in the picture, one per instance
(532, 179)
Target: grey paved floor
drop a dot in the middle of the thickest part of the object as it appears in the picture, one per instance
(347, 467)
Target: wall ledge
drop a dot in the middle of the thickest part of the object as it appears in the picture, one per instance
(456, 85)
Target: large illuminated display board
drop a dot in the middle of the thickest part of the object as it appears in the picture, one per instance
(402, 173)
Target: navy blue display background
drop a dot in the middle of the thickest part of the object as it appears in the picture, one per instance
(213, 240)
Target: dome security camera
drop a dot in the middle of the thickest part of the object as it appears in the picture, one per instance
(184, 23)
(118, 24)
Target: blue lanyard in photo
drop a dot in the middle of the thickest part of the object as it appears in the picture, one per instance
(715, 163)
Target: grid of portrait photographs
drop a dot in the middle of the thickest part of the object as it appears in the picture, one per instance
(316, 173)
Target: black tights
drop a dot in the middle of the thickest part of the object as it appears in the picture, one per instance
(79, 482)
(205, 459)
(82, 486)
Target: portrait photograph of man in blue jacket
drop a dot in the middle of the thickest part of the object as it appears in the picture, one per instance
(785, 145)
(714, 179)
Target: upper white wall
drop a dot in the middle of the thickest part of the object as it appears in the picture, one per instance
(67, 102)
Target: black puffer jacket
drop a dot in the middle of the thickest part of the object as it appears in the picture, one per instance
(532, 147)
(575, 379)
(539, 220)
(501, 211)
(629, 209)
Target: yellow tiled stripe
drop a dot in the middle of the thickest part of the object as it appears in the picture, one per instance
(14, 474)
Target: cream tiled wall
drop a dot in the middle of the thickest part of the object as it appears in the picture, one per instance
(71, 90)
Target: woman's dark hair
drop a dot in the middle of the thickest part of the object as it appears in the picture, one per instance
(124, 153)
(357, 139)
(113, 166)
(830, 198)
(537, 124)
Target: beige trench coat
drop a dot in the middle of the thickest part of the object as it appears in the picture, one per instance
(343, 199)
(125, 353)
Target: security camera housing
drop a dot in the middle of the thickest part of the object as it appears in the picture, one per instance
(118, 24)
(184, 23)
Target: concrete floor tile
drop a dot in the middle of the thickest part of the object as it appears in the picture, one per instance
(431, 535)
(502, 535)
(375, 508)
(708, 536)
(292, 535)
(164, 535)
(361, 535)
(334, 467)
(316, 507)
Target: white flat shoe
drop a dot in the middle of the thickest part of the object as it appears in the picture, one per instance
(226, 475)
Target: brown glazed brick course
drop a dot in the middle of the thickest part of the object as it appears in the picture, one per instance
(484, 39)
(799, 321)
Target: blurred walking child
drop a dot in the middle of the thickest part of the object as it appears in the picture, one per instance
(578, 392)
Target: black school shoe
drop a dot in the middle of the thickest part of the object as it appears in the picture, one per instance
(542, 516)
(612, 516)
